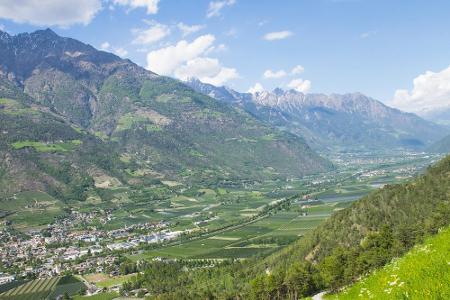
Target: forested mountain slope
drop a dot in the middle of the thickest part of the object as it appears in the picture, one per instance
(74, 99)
(45, 161)
(422, 273)
(376, 228)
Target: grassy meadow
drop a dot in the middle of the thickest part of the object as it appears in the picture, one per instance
(423, 273)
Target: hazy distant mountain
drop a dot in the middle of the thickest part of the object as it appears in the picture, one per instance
(441, 146)
(440, 116)
(70, 113)
(326, 121)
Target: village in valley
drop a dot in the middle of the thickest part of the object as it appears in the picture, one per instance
(81, 243)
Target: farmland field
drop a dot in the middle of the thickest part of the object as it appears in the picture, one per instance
(35, 289)
(257, 238)
(222, 207)
(32, 208)
(101, 296)
(43, 288)
(212, 206)
(103, 280)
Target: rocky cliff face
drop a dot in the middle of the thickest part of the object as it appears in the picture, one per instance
(61, 73)
(325, 121)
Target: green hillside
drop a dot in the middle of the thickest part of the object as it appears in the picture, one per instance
(158, 122)
(352, 242)
(422, 273)
(367, 235)
(81, 129)
(67, 120)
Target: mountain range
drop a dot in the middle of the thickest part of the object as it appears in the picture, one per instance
(76, 121)
(73, 117)
(333, 121)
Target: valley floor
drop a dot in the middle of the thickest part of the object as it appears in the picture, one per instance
(215, 223)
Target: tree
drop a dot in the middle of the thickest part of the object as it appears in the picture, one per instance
(334, 268)
(66, 296)
(301, 280)
(258, 289)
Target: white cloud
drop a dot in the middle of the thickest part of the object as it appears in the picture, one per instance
(105, 46)
(208, 70)
(300, 85)
(185, 60)
(215, 7)
(269, 74)
(2, 27)
(151, 5)
(262, 23)
(232, 32)
(189, 29)
(431, 92)
(216, 49)
(257, 88)
(50, 12)
(277, 35)
(151, 35)
(121, 52)
(164, 61)
(367, 34)
(297, 70)
(221, 48)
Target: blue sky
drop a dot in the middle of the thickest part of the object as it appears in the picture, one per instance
(369, 46)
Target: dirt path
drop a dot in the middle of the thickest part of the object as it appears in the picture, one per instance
(319, 296)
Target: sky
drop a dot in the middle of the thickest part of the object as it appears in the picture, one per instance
(395, 51)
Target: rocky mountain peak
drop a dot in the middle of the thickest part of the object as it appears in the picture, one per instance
(335, 119)
(24, 54)
(4, 36)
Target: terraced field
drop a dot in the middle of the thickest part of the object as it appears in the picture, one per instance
(35, 289)
(44, 288)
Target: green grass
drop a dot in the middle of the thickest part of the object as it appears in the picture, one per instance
(102, 280)
(101, 296)
(13, 107)
(47, 147)
(423, 273)
(269, 137)
(152, 127)
(32, 208)
(126, 121)
(69, 288)
(251, 239)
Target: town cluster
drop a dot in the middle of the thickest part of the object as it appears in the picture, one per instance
(69, 246)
